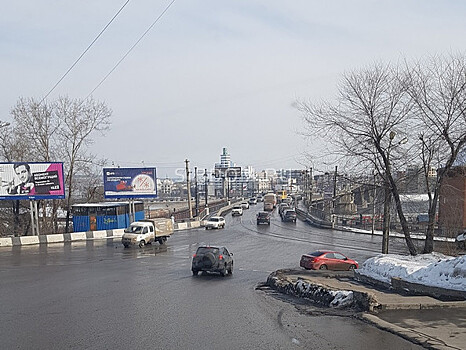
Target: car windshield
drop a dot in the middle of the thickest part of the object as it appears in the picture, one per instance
(205, 250)
(263, 215)
(316, 253)
(236, 207)
(215, 219)
(134, 229)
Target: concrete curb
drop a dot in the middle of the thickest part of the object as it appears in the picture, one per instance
(80, 236)
(322, 295)
(413, 336)
(60, 238)
(324, 290)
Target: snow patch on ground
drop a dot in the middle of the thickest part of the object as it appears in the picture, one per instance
(341, 298)
(434, 269)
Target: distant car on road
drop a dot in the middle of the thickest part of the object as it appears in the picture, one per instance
(215, 222)
(245, 205)
(212, 259)
(237, 210)
(263, 217)
(289, 215)
(282, 207)
(253, 200)
(327, 260)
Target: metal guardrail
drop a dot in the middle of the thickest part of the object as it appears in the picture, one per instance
(313, 220)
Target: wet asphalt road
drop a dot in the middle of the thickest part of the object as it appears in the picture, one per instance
(98, 295)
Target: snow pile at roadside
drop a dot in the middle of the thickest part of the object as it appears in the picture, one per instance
(341, 298)
(434, 269)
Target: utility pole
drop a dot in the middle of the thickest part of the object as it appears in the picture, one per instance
(334, 195)
(373, 205)
(188, 185)
(196, 189)
(205, 187)
(310, 186)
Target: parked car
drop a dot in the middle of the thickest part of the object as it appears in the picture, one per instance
(245, 205)
(237, 210)
(263, 217)
(289, 215)
(327, 260)
(212, 259)
(253, 200)
(215, 222)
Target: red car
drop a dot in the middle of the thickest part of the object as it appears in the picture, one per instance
(327, 260)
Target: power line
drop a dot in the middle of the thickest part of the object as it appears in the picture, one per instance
(84, 52)
(132, 47)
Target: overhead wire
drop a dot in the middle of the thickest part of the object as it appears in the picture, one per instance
(85, 51)
(131, 48)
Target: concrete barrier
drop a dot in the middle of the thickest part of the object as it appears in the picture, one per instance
(78, 236)
(118, 232)
(6, 242)
(99, 234)
(57, 238)
(27, 240)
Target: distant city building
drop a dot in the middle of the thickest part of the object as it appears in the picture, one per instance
(164, 186)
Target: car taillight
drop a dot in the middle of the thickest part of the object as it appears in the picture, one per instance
(220, 257)
(194, 255)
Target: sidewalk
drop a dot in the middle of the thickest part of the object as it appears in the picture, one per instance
(416, 318)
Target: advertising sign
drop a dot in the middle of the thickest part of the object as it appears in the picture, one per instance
(31, 180)
(234, 171)
(227, 172)
(130, 182)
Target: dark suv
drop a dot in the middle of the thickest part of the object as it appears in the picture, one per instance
(263, 217)
(289, 215)
(212, 259)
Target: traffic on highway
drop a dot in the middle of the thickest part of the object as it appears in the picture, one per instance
(99, 294)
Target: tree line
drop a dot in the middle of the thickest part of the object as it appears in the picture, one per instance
(63, 130)
(386, 116)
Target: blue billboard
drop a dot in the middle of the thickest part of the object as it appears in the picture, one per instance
(130, 183)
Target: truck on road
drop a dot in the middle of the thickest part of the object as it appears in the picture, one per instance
(146, 231)
(270, 201)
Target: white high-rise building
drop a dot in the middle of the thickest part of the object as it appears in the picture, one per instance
(225, 160)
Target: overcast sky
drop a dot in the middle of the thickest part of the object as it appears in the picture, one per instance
(210, 73)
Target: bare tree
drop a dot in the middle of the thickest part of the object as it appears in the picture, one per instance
(80, 119)
(58, 131)
(366, 125)
(438, 89)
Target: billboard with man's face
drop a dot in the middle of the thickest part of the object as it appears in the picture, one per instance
(130, 183)
(31, 180)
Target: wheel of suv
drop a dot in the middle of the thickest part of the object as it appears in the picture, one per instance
(230, 270)
(195, 272)
(142, 243)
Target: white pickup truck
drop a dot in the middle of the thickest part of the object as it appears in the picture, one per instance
(147, 231)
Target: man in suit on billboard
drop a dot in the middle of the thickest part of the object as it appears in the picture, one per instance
(25, 184)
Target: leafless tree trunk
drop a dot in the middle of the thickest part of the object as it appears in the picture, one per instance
(438, 89)
(372, 108)
(79, 120)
